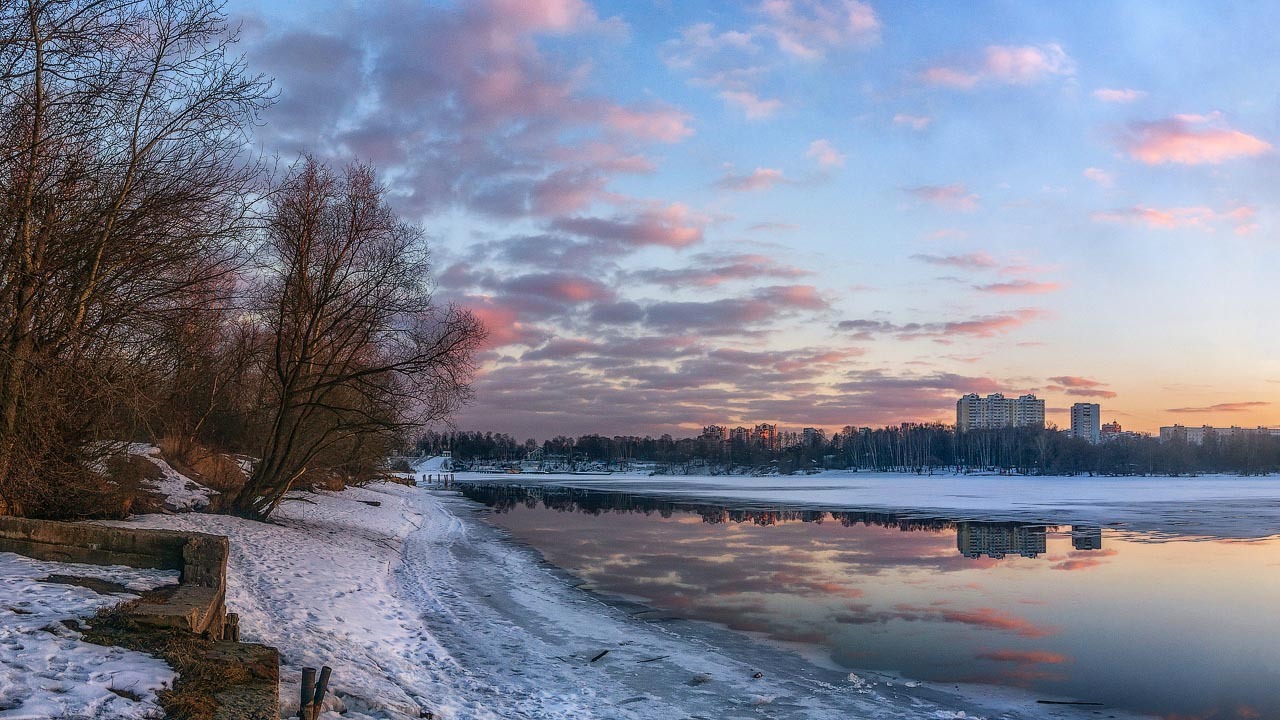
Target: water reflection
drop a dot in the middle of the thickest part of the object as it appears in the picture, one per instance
(1180, 629)
(994, 540)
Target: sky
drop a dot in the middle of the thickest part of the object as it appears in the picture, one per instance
(817, 212)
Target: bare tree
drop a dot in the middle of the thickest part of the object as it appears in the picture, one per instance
(123, 183)
(360, 354)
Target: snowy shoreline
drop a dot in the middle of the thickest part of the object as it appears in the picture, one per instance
(419, 605)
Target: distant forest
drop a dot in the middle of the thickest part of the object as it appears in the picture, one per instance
(917, 448)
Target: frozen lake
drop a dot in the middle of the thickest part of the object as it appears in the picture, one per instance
(1153, 595)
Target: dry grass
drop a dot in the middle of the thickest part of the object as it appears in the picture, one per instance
(215, 470)
(200, 679)
(130, 491)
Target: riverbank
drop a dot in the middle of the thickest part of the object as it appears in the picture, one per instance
(420, 607)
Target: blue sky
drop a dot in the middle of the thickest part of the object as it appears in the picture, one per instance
(817, 212)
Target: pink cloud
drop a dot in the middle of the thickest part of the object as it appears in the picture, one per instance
(991, 325)
(971, 261)
(701, 42)
(560, 349)
(915, 122)
(949, 77)
(735, 62)
(997, 620)
(1190, 140)
(503, 324)
(1019, 287)
(808, 28)
(804, 297)
(1025, 65)
(565, 191)
(1199, 217)
(662, 124)
(825, 153)
(1079, 560)
(712, 271)
(499, 122)
(950, 197)
(1118, 95)
(1223, 407)
(557, 16)
(1099, 176)
(751, 104)
(990, 618)
(759, 179)
(671, 226)
(560, 286)
(1024, 657)
(1080, 386)
(1004, 65)
(979, 326)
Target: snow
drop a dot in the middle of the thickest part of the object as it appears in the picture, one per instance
(432, 465)
(180, 492)
(1214, 505)
(418, 605)
(46, 670)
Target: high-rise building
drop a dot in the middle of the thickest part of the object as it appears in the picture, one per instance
(714, 433)
(812, 436)
(766, 436)
(974, 412)
(1085, 419)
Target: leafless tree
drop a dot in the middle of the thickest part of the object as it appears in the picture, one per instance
(123, 184)
(359, 352)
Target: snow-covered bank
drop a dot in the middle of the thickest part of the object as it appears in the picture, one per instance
(417, 605)
(46, 670)
(1214, 505)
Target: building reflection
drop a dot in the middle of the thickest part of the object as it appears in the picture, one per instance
(997, 540)
(974, 539)
(1086, 537)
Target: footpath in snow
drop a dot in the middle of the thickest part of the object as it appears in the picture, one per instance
(420, 606)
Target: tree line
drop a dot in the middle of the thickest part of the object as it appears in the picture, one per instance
(909, 447)
(160, 280)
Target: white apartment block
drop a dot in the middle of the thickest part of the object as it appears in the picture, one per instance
(1086, 419)
(974, 412)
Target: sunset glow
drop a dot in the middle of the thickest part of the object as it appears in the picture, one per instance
(817, 212)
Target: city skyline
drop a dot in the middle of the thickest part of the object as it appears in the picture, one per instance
(801, 212)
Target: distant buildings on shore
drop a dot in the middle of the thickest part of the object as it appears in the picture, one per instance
(765, 435)
(974, 412)
(1197, 435)
(993, 412)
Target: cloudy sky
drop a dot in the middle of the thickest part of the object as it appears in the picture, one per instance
(818, 212)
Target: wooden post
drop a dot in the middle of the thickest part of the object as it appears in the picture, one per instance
(231, 631)
(308, 693)
(322, 685)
